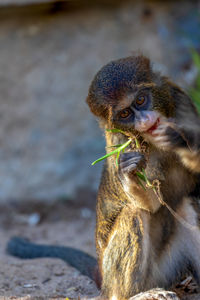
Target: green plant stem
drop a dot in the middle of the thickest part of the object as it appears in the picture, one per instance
(142, 177)
(116, 151)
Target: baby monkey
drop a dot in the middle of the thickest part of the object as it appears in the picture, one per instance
(142, 248)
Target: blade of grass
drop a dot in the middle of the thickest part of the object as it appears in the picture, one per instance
(105, 156)
(137, 143)
(195, 58)
(140, 183)
(114, 146)
(141, 176)
(117, 158)
(195, 91)
(115, 130)
(146, 179)
(119, 149)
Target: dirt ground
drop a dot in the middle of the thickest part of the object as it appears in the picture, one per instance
(72, 44)
(65, 222)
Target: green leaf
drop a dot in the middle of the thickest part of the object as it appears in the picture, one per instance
(137, 143)
(146, 179)
(117, 158)
(119, 149)
(105, 156)
(196, 58)
(115, 130)
(140, 183)
(115, 146)
(195, 95)
(195, 92)
(198, 81)
(141, 176)
(144, 174)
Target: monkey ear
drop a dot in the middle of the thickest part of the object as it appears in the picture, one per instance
(98, 108)
(143, 68)
(144, 61)
(184, 106)
(140, 60)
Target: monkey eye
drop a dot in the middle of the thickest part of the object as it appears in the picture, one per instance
(140, 100)
(125, 113)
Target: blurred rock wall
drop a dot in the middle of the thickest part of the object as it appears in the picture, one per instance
(48, 138)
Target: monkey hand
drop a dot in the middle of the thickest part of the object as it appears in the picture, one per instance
(167, 136)
(130, 162)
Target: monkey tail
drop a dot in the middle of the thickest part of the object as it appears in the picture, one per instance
(23, 248)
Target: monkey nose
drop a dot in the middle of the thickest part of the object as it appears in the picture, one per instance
(146, 121)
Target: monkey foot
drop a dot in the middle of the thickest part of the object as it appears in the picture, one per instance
(156, 294)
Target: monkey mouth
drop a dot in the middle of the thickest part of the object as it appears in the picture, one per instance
(154, 127)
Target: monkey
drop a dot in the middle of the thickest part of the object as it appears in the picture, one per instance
(143, 247)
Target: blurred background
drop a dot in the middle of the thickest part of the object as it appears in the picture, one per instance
(49, 53)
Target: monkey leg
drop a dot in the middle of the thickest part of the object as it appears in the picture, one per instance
(125, 263)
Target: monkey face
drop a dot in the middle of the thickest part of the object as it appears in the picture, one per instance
(114, 82)
(124, 90)
(135, 112)
(126, 94)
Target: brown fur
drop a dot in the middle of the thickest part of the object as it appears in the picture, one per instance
(140, 245)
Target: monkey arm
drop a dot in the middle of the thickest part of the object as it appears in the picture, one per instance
(138, 196)
(187, 145)
(122, 239)
(189, 153)
(115, 195)
(186, 140)
(183, 139)
(190, 159)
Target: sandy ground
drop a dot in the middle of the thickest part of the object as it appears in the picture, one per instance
(72, 44)
(67, 223)
(63, 224)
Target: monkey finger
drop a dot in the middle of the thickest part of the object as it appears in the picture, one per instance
(131, 167)
(129, 158)
(176, 137)
(161, 126)
(126, 163)
(164, 145)
(162, 138)
(131, 161)
(130, 155)
(162, 142)
(159, 131)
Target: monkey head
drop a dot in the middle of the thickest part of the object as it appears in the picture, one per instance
(127, 94)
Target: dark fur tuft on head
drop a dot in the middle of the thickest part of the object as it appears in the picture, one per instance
(114, 80)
